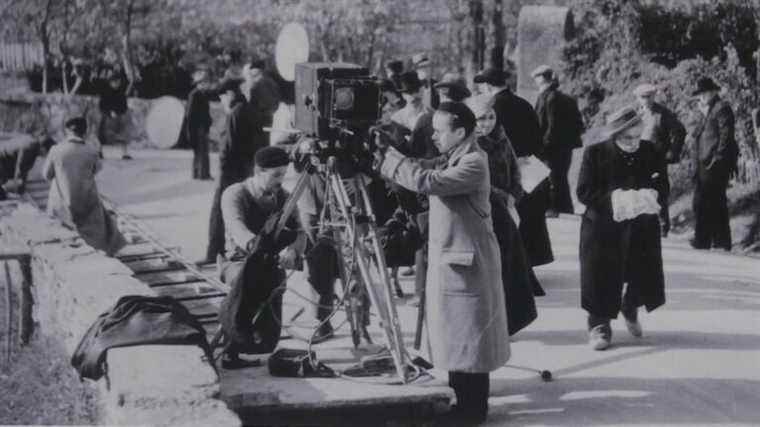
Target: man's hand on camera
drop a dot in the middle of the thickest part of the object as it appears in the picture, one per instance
(288, 258)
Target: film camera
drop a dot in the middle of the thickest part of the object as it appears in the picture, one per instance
(335, 99)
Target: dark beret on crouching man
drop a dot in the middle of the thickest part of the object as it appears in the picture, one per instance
(465, 298)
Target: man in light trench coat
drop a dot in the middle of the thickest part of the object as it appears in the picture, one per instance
(466, 319)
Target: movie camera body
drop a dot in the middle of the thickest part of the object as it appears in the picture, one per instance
(334, 99)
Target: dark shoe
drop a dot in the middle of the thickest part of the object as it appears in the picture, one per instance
(234, 362)
(126, 157)
(632, 323)
(324, 333)
(696, 245)
(600, 337)
(722, 246)
(466, 416)
(551, 213)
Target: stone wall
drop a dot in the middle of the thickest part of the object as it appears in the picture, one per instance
(72, 285)
(44, 115)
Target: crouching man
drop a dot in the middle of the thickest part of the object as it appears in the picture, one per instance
(465, 313)
(254, 271)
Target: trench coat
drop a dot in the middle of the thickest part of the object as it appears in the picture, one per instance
(71, 167)
(465, 313)
(613, 253)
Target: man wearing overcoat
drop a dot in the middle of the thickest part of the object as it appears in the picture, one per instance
(465, 313)
(561, 126)
(618, 247)
(716, 154)
(663, 129)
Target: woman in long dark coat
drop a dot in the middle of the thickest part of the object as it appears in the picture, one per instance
(626, 250)
(516, 274)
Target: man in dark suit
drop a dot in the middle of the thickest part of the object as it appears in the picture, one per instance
(715, 157)
(197, 122)
(243, 137)
(561, 128)
(663, 129)
(262, 89)
(520, 123)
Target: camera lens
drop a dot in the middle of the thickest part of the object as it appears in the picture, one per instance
(344, 98)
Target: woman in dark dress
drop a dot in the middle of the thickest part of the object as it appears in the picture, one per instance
(505, 192)
(623, 188)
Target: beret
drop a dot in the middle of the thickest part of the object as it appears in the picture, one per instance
(271, 157)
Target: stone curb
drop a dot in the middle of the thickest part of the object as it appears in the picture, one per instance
(72, 285)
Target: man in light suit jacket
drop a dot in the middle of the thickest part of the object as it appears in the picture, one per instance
(465, 312)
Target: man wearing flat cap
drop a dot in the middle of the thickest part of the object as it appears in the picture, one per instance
(622, 185)
(70, 167)
(715, 157)
(663, 129)
(465, 312)
(561, 127)
(393, 71)
(520, 123)
(247, 208)
(452, 88)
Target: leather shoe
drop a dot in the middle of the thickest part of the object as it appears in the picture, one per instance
(232, 363)
(696, 245)
(632, 324)
(600, 336)
(551, 213)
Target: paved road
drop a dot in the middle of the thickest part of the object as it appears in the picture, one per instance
(698, 363)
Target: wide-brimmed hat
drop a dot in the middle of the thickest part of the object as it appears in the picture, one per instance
(492, 76)
(542, 70)
(409, 82)
(645, 89)
(453, 86)
(705, 84)
(420, 60)
(621, 120)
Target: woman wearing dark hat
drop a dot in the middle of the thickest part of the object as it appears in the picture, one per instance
(71, 167)
(622, 186)
(716, 154)
(516, 274)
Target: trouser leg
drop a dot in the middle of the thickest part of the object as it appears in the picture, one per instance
(721, 236)
(471, 390)
(216, 238)
(700, 206)
(560, 199)
(201, 155)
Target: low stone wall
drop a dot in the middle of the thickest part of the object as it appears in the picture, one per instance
(72, 285)
(44, 115)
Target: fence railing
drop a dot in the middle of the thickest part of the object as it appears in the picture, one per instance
(20, 56)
